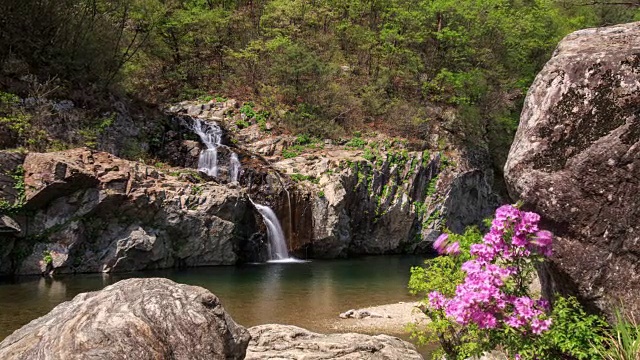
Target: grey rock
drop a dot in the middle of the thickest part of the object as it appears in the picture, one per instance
(182, 153)
(104, 214)
(133, 319)
(291, 342)
(8, 225)
(348, 314)
(576, 160)
(194, 110)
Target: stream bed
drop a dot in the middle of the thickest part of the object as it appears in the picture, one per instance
(310, 294)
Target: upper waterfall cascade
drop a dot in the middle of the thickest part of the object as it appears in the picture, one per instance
(211, 135)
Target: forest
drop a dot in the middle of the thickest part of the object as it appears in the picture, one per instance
(325, 68)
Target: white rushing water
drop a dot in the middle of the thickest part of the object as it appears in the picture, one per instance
(211, 135)
(277, 243)
(234, 167)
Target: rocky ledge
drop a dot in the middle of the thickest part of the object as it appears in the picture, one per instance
(89, 211)
(132, 319)
(274, 341)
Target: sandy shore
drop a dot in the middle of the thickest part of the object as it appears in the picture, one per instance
(395, 318)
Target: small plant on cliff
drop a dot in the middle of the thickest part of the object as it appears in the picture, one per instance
(290, 153)
(46, 257)
(357, 143)
(478, 296)
(18, 177)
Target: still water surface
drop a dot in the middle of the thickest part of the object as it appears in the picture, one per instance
(310, 295)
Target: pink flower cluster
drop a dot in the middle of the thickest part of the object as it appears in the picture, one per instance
(486, 298)
(443, 247)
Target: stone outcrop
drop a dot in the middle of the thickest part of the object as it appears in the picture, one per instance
(397, 202)
(576, 160)
(93, 212)
(291, 342)
(133, 319)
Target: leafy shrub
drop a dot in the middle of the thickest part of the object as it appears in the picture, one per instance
(291, 152)
(478, 297)
(241, 124)
(46, 257)
(18, 177)
(357, 143)
(247, 110)
(301, 177)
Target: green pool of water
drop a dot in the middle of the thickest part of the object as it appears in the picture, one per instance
(302, 294)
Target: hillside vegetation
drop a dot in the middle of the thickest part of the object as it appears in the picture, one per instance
(321, 67)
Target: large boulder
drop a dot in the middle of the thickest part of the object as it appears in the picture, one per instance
(576, 160)
(133, 319)
(274, 341)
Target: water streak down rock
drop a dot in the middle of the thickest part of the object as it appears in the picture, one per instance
(133, 319)
(576, 160)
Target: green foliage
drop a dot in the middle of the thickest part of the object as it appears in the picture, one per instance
(321, 193)
(197, 190)
(431, 187)
(369, 155)
(241, 124)
(301, 177)
(94, 130)
(291, 152)
(357, 143)
(46, 257)
(17, 176)
(303, 139)
(302, 143)
(623, 342)
(247, 110)
(14, 119)
(573, 332)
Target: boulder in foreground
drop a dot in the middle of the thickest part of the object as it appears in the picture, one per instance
(137, 319)
(274, 341)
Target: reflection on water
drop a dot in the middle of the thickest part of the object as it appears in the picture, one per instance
(303, 294)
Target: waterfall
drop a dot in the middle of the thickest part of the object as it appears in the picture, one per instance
(277, 242)
(211, 135)
(234, 167)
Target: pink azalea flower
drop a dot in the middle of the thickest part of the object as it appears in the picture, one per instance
(440, 243)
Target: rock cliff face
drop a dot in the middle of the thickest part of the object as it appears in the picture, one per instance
(132, 319)
(576, 160)
(93, 212)
(291, 342)
(396, 202)
(89, 211)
